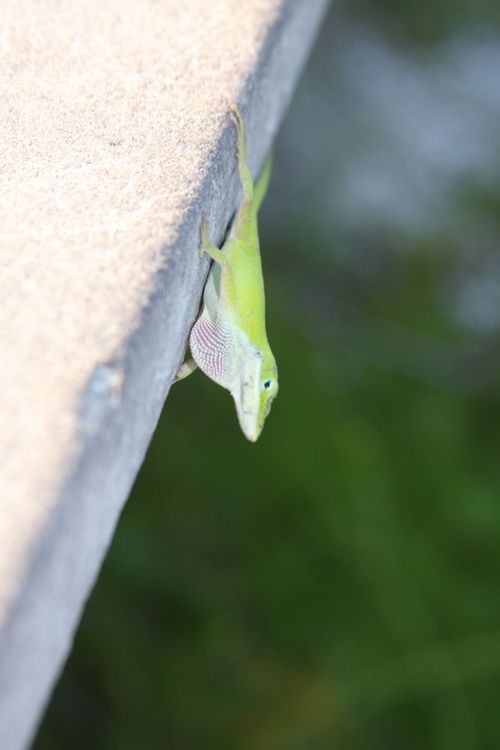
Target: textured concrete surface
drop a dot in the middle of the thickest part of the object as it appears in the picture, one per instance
(114, 138)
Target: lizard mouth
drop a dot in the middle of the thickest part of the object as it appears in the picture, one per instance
(246, 399)
(249, 421)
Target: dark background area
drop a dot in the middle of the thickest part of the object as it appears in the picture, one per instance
(337, 585)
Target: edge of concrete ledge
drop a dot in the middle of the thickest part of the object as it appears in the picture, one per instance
(122, 401)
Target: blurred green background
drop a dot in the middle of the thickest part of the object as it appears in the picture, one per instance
(337, 585)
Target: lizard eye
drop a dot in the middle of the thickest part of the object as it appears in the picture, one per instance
(266, 384)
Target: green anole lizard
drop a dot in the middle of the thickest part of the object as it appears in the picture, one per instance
(228, 342)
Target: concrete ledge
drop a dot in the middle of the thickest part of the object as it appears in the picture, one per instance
(116, 138)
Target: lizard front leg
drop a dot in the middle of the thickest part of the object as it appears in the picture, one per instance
(185, 369)
(207, 247)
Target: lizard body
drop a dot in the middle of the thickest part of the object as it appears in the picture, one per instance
(229, 341)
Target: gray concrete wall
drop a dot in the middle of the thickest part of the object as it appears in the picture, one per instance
(115, 138)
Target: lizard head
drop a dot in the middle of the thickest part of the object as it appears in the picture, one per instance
(254, 392)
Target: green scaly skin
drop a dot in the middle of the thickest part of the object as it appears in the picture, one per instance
(229, 341)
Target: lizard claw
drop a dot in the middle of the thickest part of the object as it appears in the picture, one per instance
(203, 235)
(235, 115)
